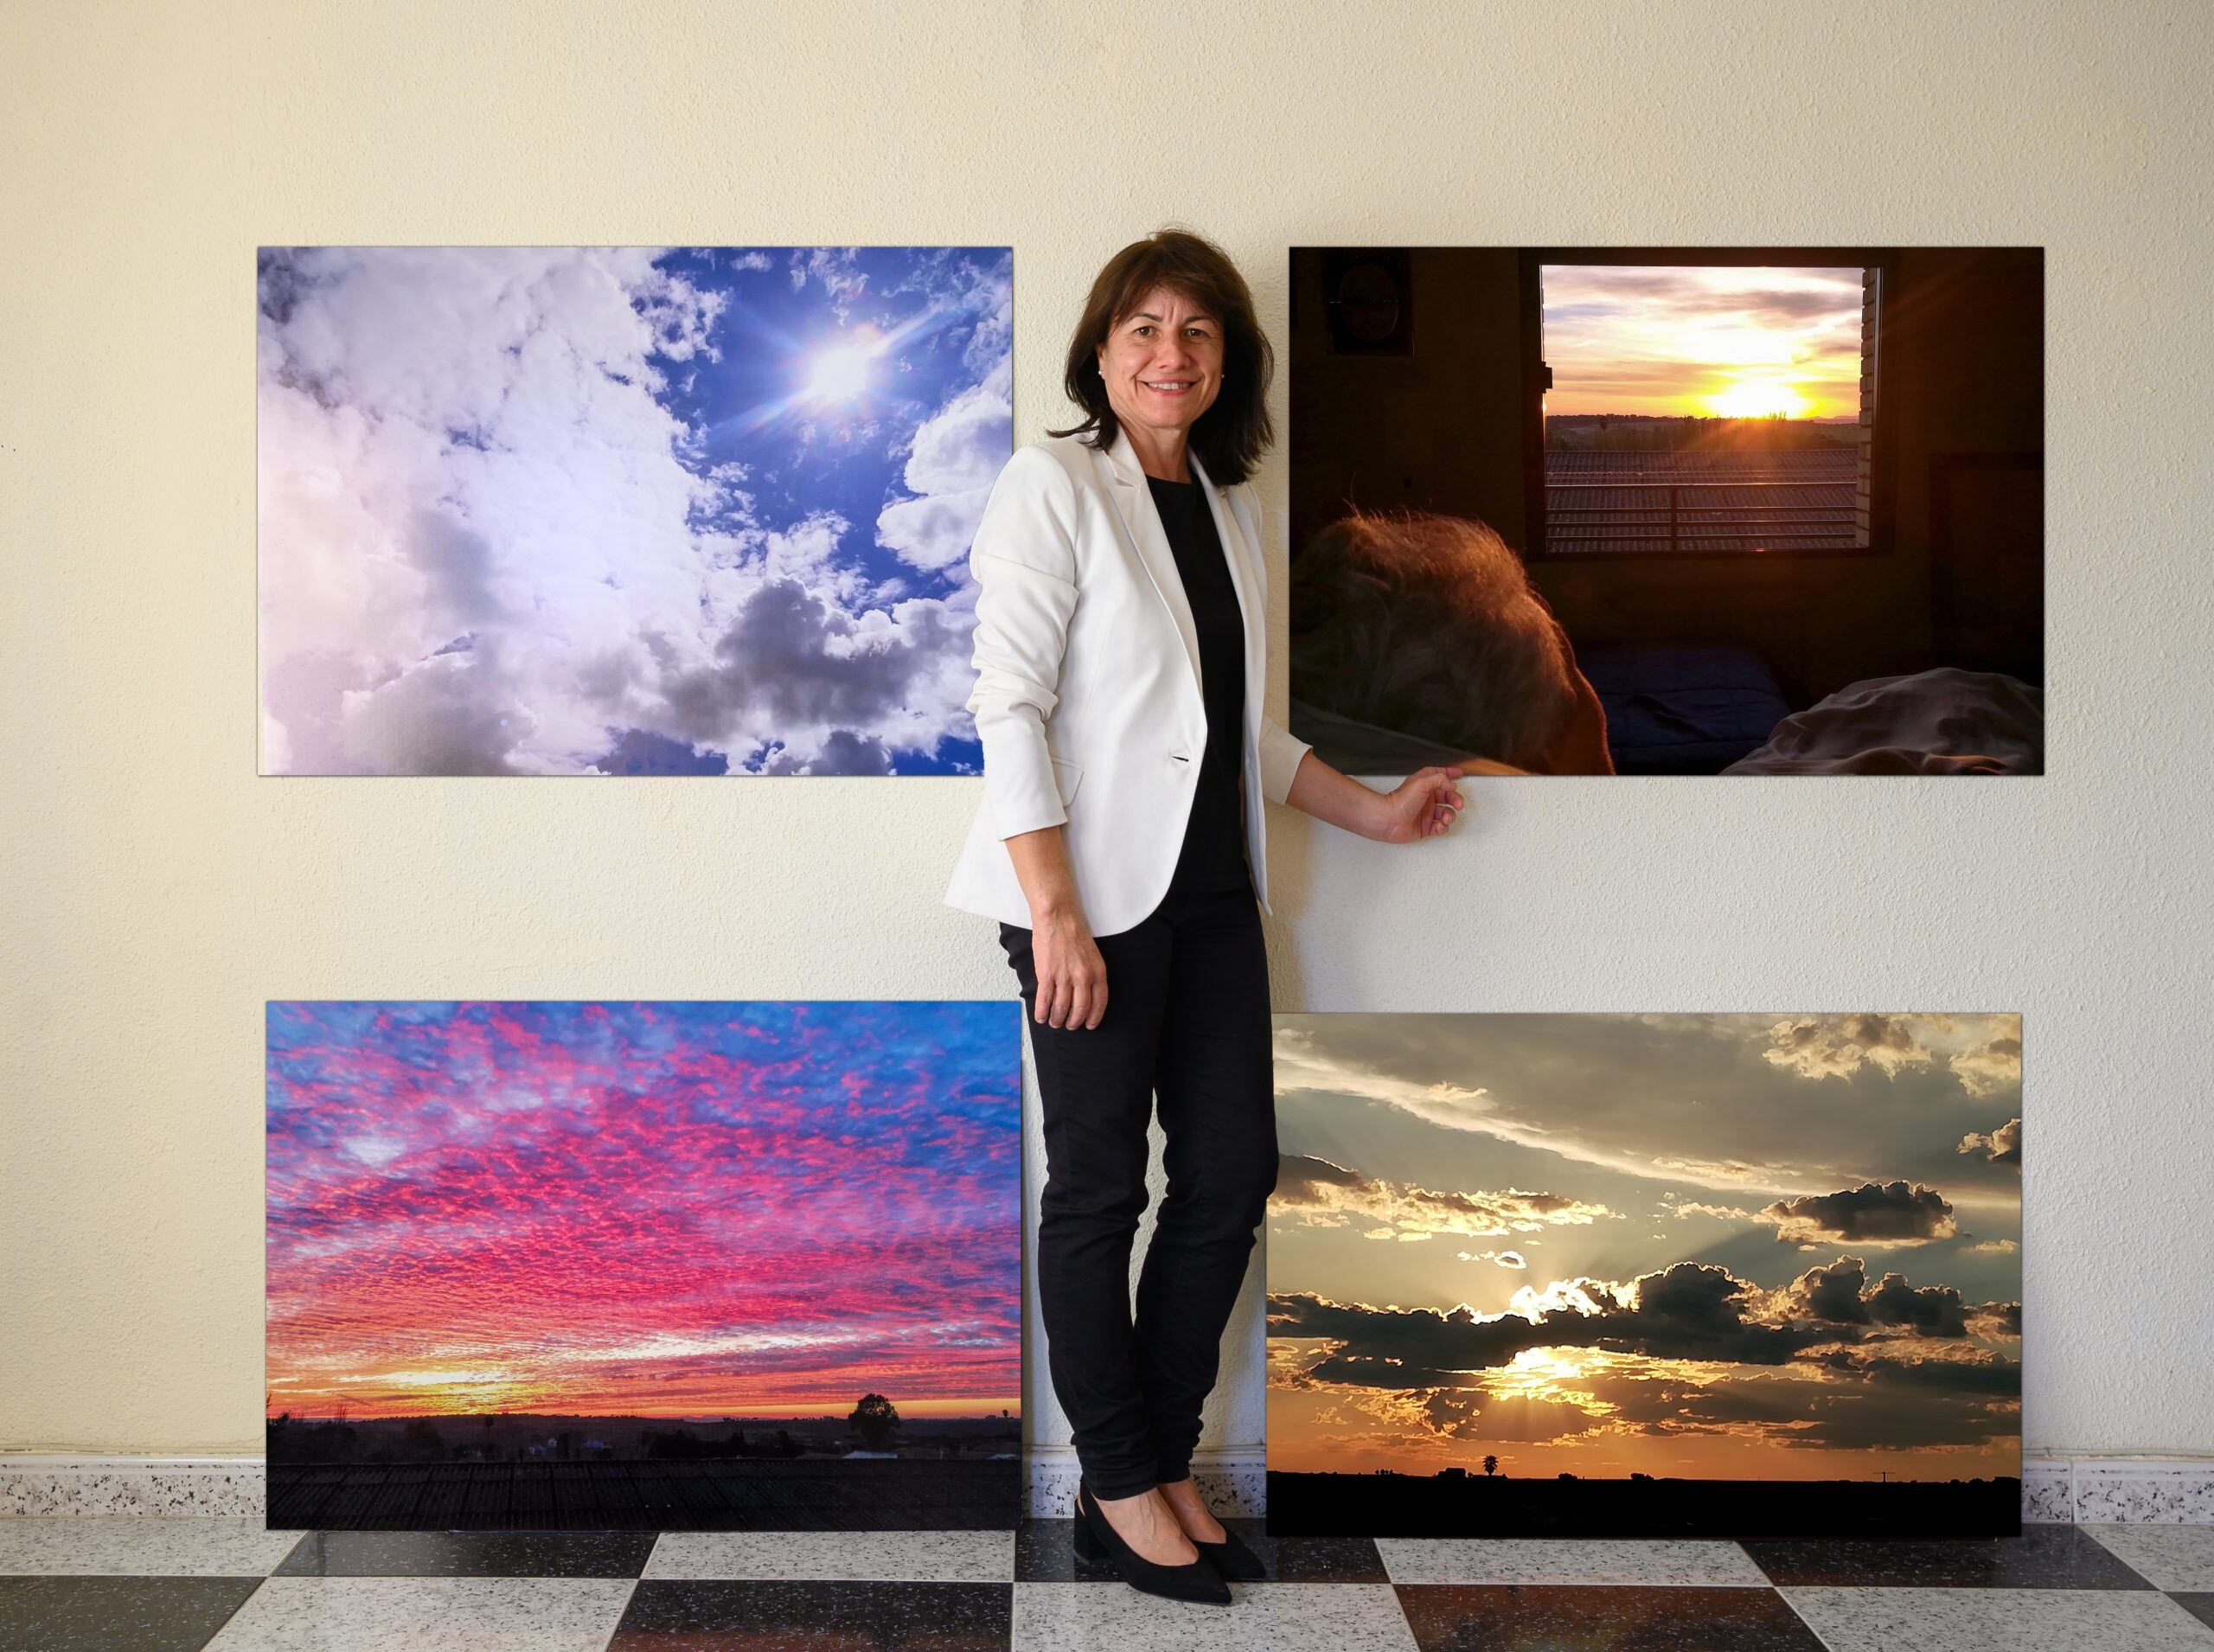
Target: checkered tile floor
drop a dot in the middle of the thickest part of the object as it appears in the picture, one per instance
(167, 1585)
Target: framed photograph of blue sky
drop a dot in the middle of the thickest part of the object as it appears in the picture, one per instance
(623, 510)
(1647, 1275)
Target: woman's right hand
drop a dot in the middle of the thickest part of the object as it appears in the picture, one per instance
(1072, 976)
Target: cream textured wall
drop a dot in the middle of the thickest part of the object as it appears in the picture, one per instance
(157, 891)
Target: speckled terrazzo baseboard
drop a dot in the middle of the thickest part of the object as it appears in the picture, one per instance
(151, 1486)
(2120, 1490)
(2178, 1493)
(1232, 1483)
(2048, 1493)
(2173, 1491)
(56, 1485)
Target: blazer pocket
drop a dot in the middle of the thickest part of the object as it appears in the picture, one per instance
(1067, 777)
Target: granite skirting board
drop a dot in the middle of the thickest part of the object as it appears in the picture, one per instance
(1233, 1482)
(2128, 1490)
(88, 1485)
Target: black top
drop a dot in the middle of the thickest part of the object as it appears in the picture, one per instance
(1213, 855)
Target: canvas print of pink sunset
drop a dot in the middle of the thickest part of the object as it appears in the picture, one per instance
(1647, 1275)
(651, 1266)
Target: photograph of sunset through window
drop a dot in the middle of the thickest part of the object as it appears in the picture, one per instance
(647, 1266)
(1703, 409)
(1666, 1275)
(1668, 510)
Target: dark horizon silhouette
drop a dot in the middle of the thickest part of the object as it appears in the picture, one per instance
(537, 1471)
(1460, 1502)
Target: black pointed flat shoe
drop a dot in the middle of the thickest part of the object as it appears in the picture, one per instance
(1232, 1559)
(1097, 1539)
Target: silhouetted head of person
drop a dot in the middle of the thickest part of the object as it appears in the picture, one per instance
(1428, 626)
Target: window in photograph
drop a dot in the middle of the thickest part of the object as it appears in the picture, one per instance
(1696, 409)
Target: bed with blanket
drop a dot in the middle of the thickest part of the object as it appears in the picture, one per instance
(1719, 710)
(1676, 709)
(1939, 722)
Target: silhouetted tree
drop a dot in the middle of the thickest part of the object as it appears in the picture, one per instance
(875, 1421)
(1491, 1466)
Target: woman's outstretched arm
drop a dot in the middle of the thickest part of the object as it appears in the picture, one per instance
(1422, 805)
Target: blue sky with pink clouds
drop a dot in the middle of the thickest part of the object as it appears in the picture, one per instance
(661, 1209)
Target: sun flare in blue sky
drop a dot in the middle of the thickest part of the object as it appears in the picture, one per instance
(577, 510)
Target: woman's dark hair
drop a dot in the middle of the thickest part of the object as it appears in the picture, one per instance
(1230, 436)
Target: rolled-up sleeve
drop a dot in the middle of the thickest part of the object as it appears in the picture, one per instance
(1024, 560)
(1281, 751)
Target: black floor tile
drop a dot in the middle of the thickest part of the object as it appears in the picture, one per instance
(2199, 1606)
(1483, 1617)
(1312, 1559)
(732, 1616)
(107, 1614)
(2043, 1557)
(469, 1554)
(1045, 1551)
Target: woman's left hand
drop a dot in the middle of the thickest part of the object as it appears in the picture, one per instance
(1422, 805)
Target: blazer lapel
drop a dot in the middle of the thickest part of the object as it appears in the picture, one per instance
(1243, 559)
(1141, 521)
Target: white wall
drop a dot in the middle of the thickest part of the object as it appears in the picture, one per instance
(157, 891)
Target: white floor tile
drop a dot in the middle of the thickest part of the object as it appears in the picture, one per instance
(410, 1614)
(1999, 1620)
(133, 1546)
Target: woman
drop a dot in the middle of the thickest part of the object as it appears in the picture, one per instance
(1120, 656)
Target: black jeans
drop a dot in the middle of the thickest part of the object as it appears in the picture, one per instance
(1188, 1018)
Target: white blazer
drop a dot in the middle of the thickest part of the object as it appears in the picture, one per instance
(1087, 699)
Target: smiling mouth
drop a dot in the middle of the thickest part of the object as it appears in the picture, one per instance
(1168, 387)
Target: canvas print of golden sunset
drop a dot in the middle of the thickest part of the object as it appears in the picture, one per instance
(1736, 1276)
(1669, 511)
(644, 1266)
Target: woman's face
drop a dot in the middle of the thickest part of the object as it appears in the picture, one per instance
(1162, 364)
